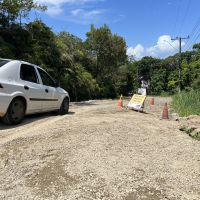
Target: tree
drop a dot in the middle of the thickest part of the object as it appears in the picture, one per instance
(25, 6)
(11, 10)
(8, 12)
(77, 80)
(196, 46)
(43, 49)
(109, 51)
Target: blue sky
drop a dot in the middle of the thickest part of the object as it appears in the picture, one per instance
(146, 25)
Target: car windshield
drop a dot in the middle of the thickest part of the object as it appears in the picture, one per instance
(3, 62)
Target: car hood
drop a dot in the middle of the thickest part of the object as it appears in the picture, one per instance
(62, 91)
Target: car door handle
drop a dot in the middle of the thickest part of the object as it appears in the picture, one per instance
(26, 87)
(46, 90)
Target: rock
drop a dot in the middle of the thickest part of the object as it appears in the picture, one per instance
(195, 133)
(175, 116)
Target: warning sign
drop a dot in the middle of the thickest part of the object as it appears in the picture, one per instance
(137, 102)
(142, 91)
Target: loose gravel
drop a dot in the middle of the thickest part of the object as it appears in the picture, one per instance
(99, 152)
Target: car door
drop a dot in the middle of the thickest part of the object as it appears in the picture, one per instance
(31, 88)
(51, 96)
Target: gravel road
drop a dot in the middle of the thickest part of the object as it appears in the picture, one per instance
(98, 151)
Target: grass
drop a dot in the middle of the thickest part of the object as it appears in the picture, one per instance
(191, 131)
(186, 103)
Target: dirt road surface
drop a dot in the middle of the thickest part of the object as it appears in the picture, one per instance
(98, 151)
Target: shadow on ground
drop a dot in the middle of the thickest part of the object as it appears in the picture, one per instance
(84, 103)
(30, 119)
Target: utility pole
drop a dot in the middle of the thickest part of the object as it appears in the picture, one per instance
(180, 59)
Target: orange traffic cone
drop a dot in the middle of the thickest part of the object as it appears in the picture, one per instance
(152, 103)
(120, 102)
(165, 112)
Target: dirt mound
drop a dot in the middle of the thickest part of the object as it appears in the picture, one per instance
(191, 126)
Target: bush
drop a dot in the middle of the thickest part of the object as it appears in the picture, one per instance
(186, 103)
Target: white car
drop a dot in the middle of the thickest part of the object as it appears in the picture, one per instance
(26, 89)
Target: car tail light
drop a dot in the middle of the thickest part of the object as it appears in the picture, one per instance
(1, 86)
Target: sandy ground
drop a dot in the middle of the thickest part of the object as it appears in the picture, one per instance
(99, 151)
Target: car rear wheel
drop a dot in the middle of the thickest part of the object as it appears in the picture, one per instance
(16, 112)
(64, 108)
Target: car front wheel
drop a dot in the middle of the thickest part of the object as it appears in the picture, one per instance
(64, 108)
(15, 113)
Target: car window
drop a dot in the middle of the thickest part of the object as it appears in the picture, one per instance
(3, 62)
(28, 73)
(46, 79)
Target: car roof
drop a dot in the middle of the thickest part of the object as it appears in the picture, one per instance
(21, 61)
(5, 59)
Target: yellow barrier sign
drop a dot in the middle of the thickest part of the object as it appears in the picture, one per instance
(137, 102)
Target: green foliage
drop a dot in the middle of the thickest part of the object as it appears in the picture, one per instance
(43, 50)
(108, 53)
(79, 82)
(62, 55)
(17, 39)
(196, 83)
(186, 103)
(196, 46)
(8, 12)
(95, 68)
(163, 74)
(155, 72)
(157, 81)
(11, 10)
(6, 49)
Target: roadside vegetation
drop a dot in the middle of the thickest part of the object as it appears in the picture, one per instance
(187, 103)
(97, 67)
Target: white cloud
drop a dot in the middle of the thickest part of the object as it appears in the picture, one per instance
(54, 10)
(55, 7)
(76, 12)
(137, 52)
(83, 14)
(59, 2)
(163, 48)
(80, 11)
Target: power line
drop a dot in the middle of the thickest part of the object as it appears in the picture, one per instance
(185, 9)
(177, 17)
(185, 16)
(193, 33)
(180, 59)
(194, 38)
(170, 44)
(197, 36)
(195, 27)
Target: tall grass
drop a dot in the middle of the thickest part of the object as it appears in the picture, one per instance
(186, 103)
